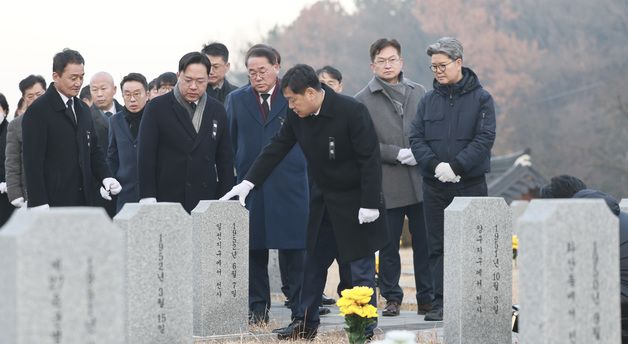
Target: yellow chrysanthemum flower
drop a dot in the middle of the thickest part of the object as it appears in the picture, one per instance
(515, 242)
(359, 295)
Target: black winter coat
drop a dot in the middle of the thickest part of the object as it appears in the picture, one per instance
(343, 181)
(455, 124)
(61, 159)
(177, 164)
(6, 208)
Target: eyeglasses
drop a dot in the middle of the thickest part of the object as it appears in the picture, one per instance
(137, 95)
(440, 67)
(261, 73)
(383, 62)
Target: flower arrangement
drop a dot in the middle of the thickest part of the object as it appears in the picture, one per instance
(358, 312)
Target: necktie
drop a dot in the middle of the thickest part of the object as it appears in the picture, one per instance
(70, 110)
(108, 114)
(265, 105)
(193, 106)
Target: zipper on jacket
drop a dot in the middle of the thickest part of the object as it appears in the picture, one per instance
(451, 104)
(482, 121)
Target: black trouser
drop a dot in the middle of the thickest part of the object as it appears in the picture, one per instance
(435, 200)
(315, 274)
(291, 266)
(390, 262)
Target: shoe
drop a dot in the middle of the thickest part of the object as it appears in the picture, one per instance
(423, 308)
(258, 318)
(297, 330)
(323, 311)
(278, 330)
(327, 301)
(392, 309)
(436, 314)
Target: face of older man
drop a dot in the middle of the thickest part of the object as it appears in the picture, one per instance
(102, 89)
(69, 82)
(262, 74)
(446, 71)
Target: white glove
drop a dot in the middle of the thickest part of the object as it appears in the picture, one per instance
(241, 190)
(112, 186)
(148, 200)
(43, 207)
(367, 215)
(105, 194)
(445, 174)
(406, 157)
(3, 187)
(19, 202)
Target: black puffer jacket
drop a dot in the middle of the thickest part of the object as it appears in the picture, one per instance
(455, 124)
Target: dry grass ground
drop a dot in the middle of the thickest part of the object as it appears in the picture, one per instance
(264, 335)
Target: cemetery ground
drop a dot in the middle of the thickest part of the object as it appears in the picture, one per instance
(331, 330)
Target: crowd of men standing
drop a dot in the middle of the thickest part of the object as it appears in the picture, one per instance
(324, 176)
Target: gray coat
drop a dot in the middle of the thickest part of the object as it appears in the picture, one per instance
(401, 183)
(13, 165)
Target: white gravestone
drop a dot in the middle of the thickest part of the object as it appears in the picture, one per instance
(477, 271)
(569, 269)
(221, 268)
(158, 240)
(61, 280)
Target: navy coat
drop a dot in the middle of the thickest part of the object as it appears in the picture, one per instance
(177, 164)
(343, 181)
(455, 124)
(61, 159)
(278, 207)
(122, 159)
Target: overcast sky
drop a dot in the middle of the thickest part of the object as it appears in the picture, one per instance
(123, 36)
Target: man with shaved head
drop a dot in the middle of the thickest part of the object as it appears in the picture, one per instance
(103, 89)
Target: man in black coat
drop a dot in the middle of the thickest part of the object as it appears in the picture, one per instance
(62, 154)
(184, 152)
(218, 55)
(102, 89)
(339, 141)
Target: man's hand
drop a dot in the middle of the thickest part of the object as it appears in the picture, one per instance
(406, 157)
(367, 215)
(445, 174)
(19, 202)
(3, 187)
(241, 190)
(112, 186)
(105, 194)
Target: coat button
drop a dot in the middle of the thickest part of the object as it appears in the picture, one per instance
(188, 184)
